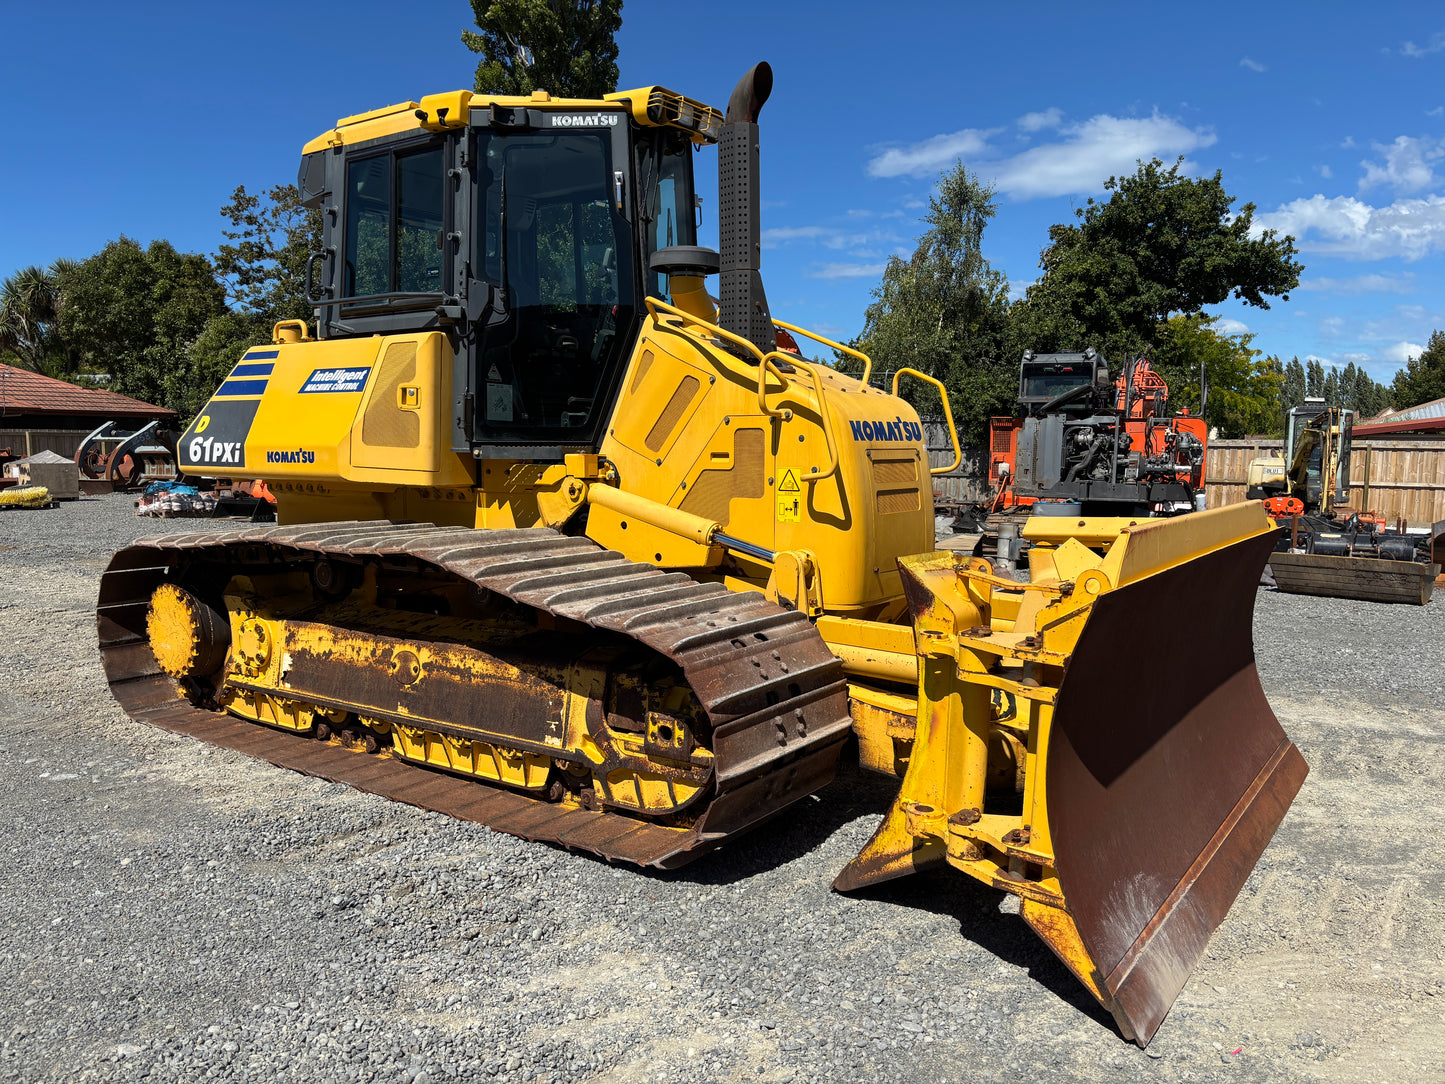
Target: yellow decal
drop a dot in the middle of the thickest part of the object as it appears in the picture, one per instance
(201, 425)
(790, 498)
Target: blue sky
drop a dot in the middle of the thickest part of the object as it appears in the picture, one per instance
(141, 119)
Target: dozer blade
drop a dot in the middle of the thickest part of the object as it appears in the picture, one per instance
(1155, 772)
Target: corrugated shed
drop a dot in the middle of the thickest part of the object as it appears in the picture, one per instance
(24, 392)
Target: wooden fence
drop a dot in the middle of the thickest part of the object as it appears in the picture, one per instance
(64, 442)
(1396, 478)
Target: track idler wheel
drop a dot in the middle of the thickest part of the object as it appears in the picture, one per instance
(188, 637)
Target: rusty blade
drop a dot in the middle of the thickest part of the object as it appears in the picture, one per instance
(1167, 775)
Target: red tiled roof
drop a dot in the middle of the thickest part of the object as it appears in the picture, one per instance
(24, 392)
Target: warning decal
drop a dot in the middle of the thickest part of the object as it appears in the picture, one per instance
(790, 498)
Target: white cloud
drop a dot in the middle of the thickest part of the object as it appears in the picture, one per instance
(1434, 45)
(1402, 352)
(931, 155)
(1017, 288)
(1438, 111)
(847, 271)
(1362, 284)
(1348, 227)
(1326, 172)
(1406, 167)
(1049, 118)
(1252, 65)
(1088, 153)
(1228, 326)
(830, 237)
(1101, 147)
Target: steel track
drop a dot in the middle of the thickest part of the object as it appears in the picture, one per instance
(774, 693)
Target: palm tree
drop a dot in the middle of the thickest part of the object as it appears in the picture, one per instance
(29, 304)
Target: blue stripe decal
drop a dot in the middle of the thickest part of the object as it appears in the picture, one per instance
(259, 355)
(263, 369)
(241, 387)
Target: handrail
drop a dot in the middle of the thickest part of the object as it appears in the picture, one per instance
(827, 424)
(947, 413)
(864, 358)
(765, 364)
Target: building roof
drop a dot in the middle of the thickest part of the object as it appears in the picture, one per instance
(24, 392)
(1425, 418)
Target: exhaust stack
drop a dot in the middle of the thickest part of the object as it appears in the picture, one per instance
(743, 306)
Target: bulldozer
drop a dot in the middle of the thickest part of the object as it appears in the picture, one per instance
(568, 548)
(1332, 549)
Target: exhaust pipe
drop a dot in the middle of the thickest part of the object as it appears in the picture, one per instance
(743, 306)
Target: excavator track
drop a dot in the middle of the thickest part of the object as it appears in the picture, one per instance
(774, 694)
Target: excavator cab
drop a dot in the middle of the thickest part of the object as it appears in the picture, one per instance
(1317, 455)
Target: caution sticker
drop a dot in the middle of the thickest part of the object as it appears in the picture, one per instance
(790, 498)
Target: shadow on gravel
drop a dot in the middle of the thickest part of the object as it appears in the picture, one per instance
(854, 794)
(974, 907)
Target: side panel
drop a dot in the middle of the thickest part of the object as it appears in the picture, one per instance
(366, 411)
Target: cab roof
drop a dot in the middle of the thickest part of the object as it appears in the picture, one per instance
(655, 107)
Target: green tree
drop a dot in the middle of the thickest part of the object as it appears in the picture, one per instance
(1292, 393)
(1314, 379)
(1423, 378)
(1162, 244)
(566, 47)
(29, 302)
(944, 310)
(263, 260)
(134, 312)
(1244, 387)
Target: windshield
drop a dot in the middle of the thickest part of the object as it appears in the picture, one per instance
(1048, 381)
(552, 235)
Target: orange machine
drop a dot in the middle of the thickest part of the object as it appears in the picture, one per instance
(1096, 449)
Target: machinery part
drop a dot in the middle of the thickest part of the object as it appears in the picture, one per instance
(127, 459)
(1146, 802)
(1282, 507)
(773, 695)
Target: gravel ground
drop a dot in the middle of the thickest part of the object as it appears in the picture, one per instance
(169, 911)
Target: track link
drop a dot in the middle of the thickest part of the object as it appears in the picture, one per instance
(774, 693)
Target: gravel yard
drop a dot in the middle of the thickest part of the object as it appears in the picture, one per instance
(170, 911)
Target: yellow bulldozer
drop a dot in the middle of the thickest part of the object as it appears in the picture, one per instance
(570, 549)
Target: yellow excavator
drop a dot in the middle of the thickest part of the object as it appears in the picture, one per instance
(567, 548)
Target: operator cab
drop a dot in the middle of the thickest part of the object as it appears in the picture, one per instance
(524, 233)
(1049, 382)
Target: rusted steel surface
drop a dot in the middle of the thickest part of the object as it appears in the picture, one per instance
(1165, 782)
(773, 692)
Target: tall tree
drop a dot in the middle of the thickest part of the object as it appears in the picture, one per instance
(134, 312)
(567, 47)
(1292, 392)
(29, 301)
(944, 310)
(1423, 377)
(1314, 379)
(263, 260)
(1161, 244)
